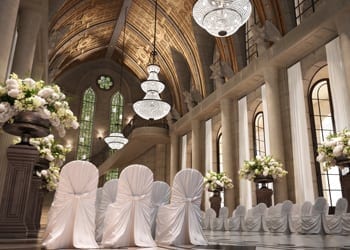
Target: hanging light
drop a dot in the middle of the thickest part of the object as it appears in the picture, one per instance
(152, 107)
(117, 140)
(221, 18)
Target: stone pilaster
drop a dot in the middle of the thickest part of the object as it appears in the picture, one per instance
(274, 127)
(197, 145)
(226, 106)
(174, 156)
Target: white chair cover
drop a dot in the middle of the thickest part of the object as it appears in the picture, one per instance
(179, 222)
(314, 223)
(279, 220)
(217, 223)
(160, 197)
(128, 219)
(71, 223)
(334, 222)
(209, 214)
(255, 220)
(294, 219)
(237, 221)
(109, 195)
(346, 223)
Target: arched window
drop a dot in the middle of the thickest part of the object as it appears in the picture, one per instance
(86, 123)
(259, 134)
(116, 121)
(322, 123)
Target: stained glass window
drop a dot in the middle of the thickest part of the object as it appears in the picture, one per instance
(105, 82)
(86, 123)
(116, 121)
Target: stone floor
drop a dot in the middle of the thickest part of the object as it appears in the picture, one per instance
(229, 241)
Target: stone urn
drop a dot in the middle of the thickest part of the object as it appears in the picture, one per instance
(263, 192)
(215, 199)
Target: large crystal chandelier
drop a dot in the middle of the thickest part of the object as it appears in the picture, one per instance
(152, 107)
(221, 18)
(117, 140)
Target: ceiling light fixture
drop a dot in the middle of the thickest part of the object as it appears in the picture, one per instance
(116, 140)
(221, 18)
(152, 107)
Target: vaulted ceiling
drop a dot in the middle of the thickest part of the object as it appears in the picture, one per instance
(84, 30)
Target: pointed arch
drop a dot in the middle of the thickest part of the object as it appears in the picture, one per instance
(86, 124)
(117, 107)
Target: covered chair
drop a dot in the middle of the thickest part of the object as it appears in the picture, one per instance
(179, 223)
(314, 223)
(255, 220)
(279, 220)
(333, 223)
(237, 221)
(217, 223)
(129, 217)
(109, 195)
(160, 197)
(209, 214)
(71, 221)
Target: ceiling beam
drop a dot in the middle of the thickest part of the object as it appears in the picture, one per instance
(118, 28)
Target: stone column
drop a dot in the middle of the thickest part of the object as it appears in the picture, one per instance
(21, 159)
(8, 17)
(28, 29)
(344, 38)
(174, 156)
(226, 106)
(196, 145)
(274, 127)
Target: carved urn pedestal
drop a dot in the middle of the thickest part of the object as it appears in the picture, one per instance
(215, 200)
(263, 193)
(21, 159)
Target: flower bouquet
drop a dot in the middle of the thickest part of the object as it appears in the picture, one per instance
(336, 146)
(262, 166)
(55, 154)
(17, 95)
(216, 181)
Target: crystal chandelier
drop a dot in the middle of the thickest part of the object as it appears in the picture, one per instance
(152, 107)
(221, 18)
(117, 140)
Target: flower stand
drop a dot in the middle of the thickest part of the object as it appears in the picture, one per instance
(345, 179)
(263, 194)
(215, 200)
(21, 159)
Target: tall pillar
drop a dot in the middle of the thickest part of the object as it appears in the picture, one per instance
(227, 106)
(197, 145)
(274, 127)
(28, 28)
(174, 156)
(344, 38)
(8, 17)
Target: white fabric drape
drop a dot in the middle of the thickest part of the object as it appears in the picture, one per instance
(245, 187)
(237, 221)
(279, 220)
(316, 222)
(179, 223)
(255, 220)
(128, 219)
(71, 221)
(300, 140)
(209, 214)
(218, 223)
(338, 85)
(109, 195)
(266, 121)
(184, 152)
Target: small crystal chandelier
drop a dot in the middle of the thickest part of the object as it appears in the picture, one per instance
(221, 18)
(151, 107)
(117, 140)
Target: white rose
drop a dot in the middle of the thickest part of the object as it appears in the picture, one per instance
(12, 84)
(44, 173)
(338, 150)
(13, 93)
(45, 92)
(44, 113)
(29, 82)
(321, 157)
(75, 124)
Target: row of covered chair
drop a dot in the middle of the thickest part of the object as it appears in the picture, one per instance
(285, 217)
(122, 212)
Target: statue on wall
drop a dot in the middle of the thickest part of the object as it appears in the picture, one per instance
(173, 116)
(221, 72)
(192, 98)
(265, 35)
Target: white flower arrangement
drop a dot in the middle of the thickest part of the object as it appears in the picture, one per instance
(53, 152)
(263, 166)
(18, 95)
(335, 146)
(214, 181)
